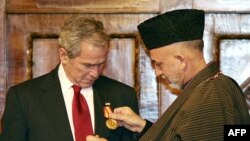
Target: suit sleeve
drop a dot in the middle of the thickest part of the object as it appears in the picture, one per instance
(134, 101)
(137, 136)
(134, 105)
(13, 123)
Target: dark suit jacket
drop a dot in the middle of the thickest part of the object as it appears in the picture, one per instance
(35, 110)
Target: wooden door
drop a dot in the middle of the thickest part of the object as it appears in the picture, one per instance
(29, 32)
(226, 38)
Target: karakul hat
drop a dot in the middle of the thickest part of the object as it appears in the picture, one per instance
(171, 27)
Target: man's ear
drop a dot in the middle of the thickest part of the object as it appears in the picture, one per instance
(181, 60)
(63, 55)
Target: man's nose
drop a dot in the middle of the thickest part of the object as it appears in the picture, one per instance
(95, 70)
(158, 72)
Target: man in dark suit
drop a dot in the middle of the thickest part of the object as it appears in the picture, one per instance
(41, 109)
(207, 99)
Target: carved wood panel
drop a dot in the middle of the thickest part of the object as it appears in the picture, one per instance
(82, 6)
(3, 63)
(32, 26)
(32, 51)
(226, 39)
(230, 38)
(43, 56)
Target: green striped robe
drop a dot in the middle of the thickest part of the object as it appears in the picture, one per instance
(202, 110)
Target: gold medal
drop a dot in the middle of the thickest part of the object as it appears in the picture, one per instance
(110, 123)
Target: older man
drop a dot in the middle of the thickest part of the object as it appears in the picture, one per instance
(70, 102)
(208, 99)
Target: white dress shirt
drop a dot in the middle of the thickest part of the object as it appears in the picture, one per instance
(68, 94)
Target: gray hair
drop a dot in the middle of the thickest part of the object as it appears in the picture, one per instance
(76, 29)
(194, 44)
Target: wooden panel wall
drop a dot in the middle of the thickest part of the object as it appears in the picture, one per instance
(226, 38)
(3, 67)
(29, 29)
(82, 6)
(32, 28)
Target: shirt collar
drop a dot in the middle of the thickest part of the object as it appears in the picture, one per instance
(65, 82)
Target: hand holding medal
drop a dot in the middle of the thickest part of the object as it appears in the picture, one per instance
(110, 123)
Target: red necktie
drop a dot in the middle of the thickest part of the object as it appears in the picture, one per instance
(81, 116)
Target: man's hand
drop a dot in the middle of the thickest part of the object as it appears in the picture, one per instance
(95, 138)
(126, 117)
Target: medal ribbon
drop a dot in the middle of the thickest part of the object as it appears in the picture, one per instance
(107, 111)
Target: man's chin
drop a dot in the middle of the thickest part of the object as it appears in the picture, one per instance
(172, 87)
(175, 86)
(86, 85)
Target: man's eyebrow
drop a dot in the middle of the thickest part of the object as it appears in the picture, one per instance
(155, 62)
(86, 63)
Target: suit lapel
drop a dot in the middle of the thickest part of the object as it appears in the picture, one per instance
(99, 102)
(53, 103)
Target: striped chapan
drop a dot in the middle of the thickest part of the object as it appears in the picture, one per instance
(208, 102)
